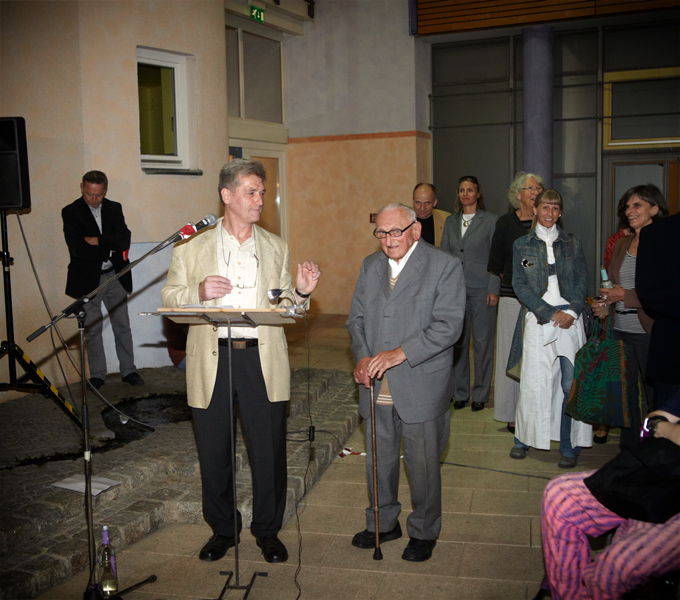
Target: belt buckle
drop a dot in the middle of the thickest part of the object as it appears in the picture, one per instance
(238, 344)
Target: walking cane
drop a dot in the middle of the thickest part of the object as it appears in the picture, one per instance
(377, 554)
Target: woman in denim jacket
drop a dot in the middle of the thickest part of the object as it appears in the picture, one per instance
(550, 279)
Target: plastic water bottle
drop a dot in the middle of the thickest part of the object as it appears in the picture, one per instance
(108, 575)
(606, 282)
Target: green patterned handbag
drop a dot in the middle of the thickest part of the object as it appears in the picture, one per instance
(598, 394)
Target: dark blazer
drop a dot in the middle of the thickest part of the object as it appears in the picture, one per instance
(86, 260)
(424, 315)
(473, 248)
(508, 229)
(658, 286)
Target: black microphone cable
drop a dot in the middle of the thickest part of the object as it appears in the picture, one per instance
(309, 437)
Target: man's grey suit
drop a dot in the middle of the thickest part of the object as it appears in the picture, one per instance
(423, 315)
(473, 250)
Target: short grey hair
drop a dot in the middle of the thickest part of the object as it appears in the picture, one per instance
(518, 184)
(232, 173)
(399, 206)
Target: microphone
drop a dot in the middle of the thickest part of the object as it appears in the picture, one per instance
(293, 311)
(189, 229)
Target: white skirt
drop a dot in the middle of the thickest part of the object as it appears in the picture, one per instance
(539, 409)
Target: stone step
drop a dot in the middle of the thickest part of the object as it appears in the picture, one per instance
(43, 539)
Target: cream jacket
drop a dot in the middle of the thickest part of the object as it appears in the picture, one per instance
(192, 261)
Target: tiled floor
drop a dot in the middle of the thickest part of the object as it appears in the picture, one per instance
(489, 546)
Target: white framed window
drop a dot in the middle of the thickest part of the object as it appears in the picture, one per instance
(163, 86)
(255, 75)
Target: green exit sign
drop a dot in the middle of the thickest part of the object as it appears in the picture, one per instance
(257, 14)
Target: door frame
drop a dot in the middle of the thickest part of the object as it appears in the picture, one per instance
(671, 182)
(252, 149)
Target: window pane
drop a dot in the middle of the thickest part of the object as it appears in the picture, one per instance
(471, 109)
(233, 85)
(574, 146)
(262, 79)
(641, 47)
(470, 62)
(646, 109)
(156, 109)
(574, 102)
(579, 217)
(575, 52)
(481, 151)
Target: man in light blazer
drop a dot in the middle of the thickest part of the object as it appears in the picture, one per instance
(407, 312)
(235, 263)
(468, 233)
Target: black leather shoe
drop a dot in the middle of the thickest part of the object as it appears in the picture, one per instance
(133, 379)
(96, 382)
(216, 547)
(567, 462)
(418, 550)
(458, 404)
(273, 549)
(366, 538)
(477, 406)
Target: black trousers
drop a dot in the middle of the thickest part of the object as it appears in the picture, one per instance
(637, 349)
(264, 425)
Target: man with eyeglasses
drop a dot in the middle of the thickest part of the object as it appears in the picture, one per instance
(430, 218)
(235, 263)
(407, 312)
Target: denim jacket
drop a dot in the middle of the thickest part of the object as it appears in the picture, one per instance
(530, 281)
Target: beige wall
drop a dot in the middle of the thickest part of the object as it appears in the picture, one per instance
(334, 184)
(69, 68)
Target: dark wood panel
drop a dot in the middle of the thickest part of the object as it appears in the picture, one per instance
(443, 16)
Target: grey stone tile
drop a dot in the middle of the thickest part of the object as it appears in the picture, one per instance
(486, 529)
(512, 563)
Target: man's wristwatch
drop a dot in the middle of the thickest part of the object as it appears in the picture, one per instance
(299, 293)
(650, 424)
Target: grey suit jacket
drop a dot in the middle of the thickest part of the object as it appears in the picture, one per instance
(473, 248)
(424, 315)
(192, 261)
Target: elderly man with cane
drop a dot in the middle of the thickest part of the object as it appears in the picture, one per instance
(407, 312)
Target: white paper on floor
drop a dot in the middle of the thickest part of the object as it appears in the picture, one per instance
(77, 484)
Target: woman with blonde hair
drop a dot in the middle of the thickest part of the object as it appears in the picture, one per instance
(550, 279)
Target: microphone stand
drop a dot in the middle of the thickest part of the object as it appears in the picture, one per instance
(77, 308)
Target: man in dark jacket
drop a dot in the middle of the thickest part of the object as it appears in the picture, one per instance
(98, 241)
(657, 284)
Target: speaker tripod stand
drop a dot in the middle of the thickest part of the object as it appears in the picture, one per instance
(33, 380)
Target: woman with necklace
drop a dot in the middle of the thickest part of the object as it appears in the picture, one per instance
(468, 234)
(640, 206)
(512, 225)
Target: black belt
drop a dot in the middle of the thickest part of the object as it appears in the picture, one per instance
(238, 343)
(104, 271)
(627, 311)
